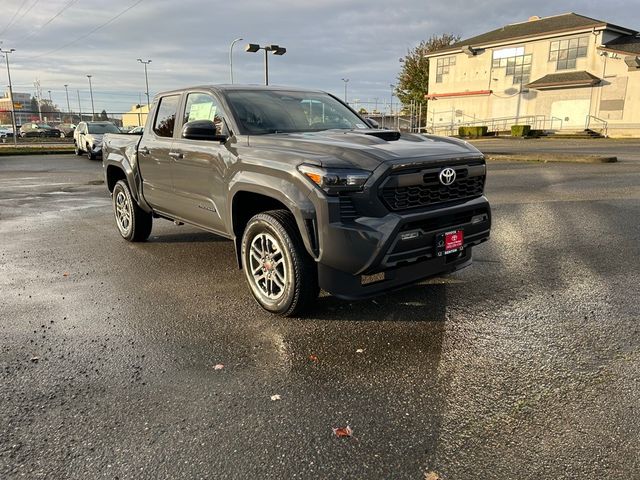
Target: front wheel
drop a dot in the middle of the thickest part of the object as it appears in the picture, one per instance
(77, 150)
(134, 224)
(283, 278)
(90, 154)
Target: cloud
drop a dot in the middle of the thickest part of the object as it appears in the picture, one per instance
(188, 41)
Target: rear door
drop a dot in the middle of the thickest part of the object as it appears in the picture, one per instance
(153, 155)
(200, 166)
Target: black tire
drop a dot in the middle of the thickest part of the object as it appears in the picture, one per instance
(90, 154)
(138, 228)
(300, 283)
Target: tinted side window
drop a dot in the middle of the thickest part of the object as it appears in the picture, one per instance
(166, 116)
(202, 106)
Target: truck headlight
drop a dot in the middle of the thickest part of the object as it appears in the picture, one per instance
(335, 180)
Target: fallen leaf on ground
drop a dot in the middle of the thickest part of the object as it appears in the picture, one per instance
(313, 358)
(65, 274)
(35, 359)
(275, 397)
(360, 350)
(342, 432)
(219, 366)
(431, 476)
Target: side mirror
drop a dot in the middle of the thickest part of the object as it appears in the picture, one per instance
(203, 130)
(372, 123)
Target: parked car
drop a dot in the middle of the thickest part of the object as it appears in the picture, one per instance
(311, 195)
(38, 130)
(136, 130)
(6, 131)
(66, 130)
(88, 137)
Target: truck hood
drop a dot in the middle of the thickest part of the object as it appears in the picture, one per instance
(365, 149)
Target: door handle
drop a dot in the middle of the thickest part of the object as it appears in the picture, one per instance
(144, 150)
(176, 155)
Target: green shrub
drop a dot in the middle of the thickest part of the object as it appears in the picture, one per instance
(473, 132)
(520, 130)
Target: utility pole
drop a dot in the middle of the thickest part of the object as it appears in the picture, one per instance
(13, 107)
(146, 78)
(66, 89)
(345, 80)
(38, 97)
(231, 57)
(93, 110)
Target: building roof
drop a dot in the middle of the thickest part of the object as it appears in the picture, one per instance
(566, 79)
(533, 28)
(625, 44)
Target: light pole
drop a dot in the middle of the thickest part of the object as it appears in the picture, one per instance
(13, 107)
(93, 110)
(345, 80)
(79, 105)
(231, 57)
(66, 90)
(146, 77)
(391, 102)
(275, 49)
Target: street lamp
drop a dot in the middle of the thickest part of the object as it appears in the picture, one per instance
(13, 107)
(93, 110)
(231, 57)
(146, 77)
(275, 49)
(66, 89)
(345, 80)
(79, 105)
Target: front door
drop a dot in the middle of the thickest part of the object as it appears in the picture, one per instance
(199, 166)
(154, 159)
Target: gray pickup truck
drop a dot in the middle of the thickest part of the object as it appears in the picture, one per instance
(309, 192)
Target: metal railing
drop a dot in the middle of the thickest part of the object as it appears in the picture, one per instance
(498, 124)
(603, 124)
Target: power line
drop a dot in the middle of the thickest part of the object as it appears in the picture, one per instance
(25, 12)
(24, 2)
(60, 12)
(90, 32)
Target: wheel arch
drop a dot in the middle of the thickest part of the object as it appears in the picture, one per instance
(250, 199)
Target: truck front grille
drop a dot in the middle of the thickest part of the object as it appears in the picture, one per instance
(426, 194)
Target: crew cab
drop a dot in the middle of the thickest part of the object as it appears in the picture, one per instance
(309, 192)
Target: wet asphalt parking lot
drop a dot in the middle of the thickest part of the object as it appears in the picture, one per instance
(524, 366)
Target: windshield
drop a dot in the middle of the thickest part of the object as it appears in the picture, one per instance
(102, 128)
(265, 111)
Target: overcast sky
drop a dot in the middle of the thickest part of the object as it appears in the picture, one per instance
(188, 41)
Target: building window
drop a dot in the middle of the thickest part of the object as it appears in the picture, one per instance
(442, 67)
(565, 52)
(517, 64)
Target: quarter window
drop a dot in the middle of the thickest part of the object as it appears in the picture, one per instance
(565, 52)
(442, 67)
(166, 116)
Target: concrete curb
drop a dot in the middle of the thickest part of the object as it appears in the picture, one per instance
(549, 157)
(8, 152)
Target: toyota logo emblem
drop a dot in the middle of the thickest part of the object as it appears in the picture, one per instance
(447, 176)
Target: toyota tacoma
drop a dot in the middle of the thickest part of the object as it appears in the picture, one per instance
(312, 195)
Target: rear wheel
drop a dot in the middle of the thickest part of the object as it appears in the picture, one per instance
(77, 150)
(134, 224)
(282, 276)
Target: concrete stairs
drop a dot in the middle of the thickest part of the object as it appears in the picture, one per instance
(577, 134)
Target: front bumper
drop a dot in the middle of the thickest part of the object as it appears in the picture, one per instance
(370, 255)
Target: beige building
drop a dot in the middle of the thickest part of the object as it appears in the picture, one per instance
(135, 117)
(566, 72)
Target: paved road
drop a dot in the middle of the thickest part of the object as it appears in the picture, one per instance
(627, 150)
(524, 366)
